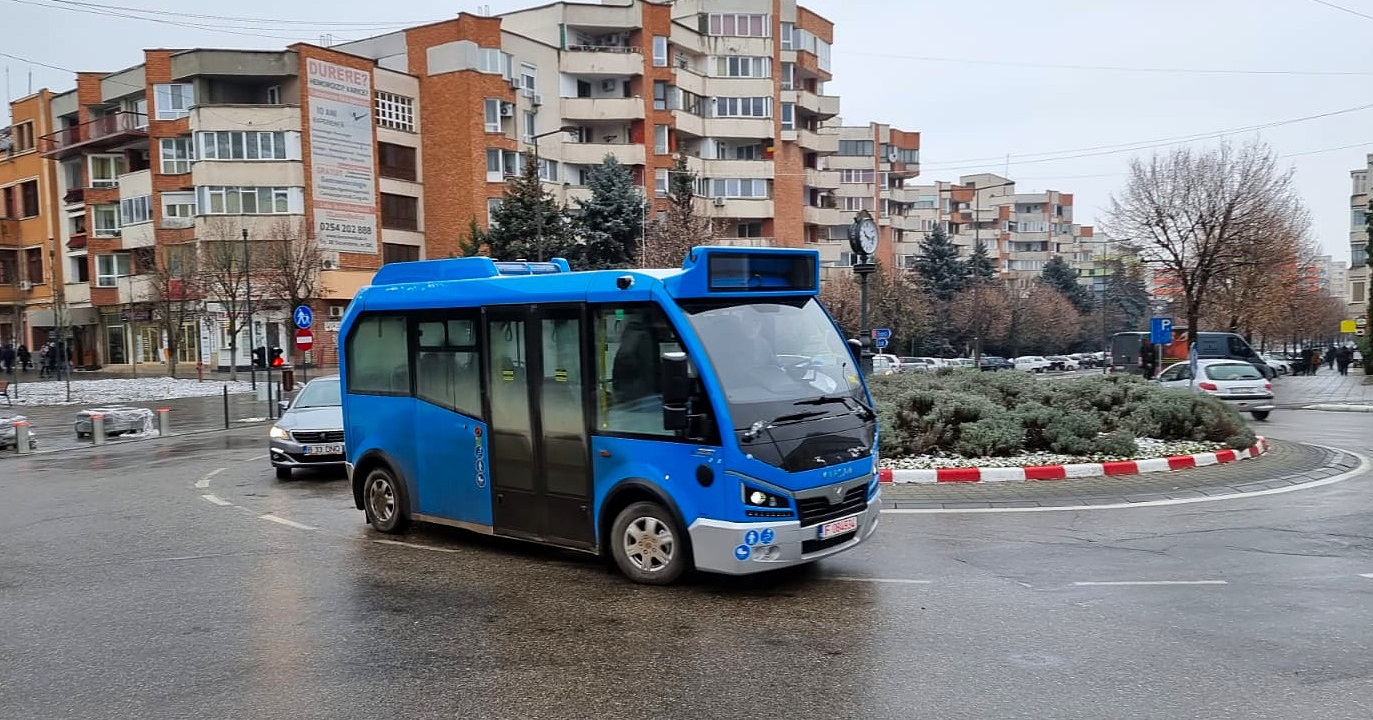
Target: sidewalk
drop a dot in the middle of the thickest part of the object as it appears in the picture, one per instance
(53, 425)
(1328, 387)
(183, 371)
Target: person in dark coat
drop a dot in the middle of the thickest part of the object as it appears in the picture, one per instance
(1344, 356)
(25, 358)
(1148, 359)
(7, 358)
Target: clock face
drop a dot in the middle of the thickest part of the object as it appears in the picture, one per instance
(867, 236)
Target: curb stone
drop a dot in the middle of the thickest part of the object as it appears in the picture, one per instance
(1062, 472)
(1329, 407)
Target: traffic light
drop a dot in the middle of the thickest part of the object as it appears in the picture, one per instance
(277, 361)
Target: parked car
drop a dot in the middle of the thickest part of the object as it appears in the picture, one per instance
(1063, 362)
(1032, 363)
(916, 364)
(992, 363)
(1125, 348)
(309, 432)
(1236, 382)
(1279, 364)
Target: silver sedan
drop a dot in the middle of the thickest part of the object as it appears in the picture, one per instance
(309, 432)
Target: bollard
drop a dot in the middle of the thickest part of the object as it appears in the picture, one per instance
(226, 407)
(98, 429)
(21, 437)
(164, 422)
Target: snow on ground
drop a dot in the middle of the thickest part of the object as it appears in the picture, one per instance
(123, 390)
(1147, 448)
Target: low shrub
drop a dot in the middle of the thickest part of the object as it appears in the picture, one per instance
(978, 414)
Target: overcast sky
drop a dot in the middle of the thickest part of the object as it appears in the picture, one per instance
(972, 77)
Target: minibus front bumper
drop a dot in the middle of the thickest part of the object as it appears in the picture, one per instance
(741, 548)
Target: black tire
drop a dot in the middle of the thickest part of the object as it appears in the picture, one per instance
(283, 473)
(647, 562)
(383, 501)
(1260, 415)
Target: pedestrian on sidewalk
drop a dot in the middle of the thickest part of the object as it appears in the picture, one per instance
(1148, 362)
(1344, 356)
(1331, 356)
(7, 358)
(25, 358)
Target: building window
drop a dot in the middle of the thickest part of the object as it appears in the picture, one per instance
(133, 211)
(738, 187)
(854, 204)
(1356, 291)
(788, 78)
(660, 139)
(758, 107)
(109, 268)
(178, 209)
(660, 58)
(660, 176)
(856, 148)
(28, 199)
(739, 25)
(251, 200)
(529, 128)
(396, 112)
(106, 220)
(400, 212)
(176, 155)
(80, 270)
(274, 95)
(493, 115)
(397, 161)
(493, 61)
(447, 372)
(788, 116)
(252, 145)
(33, 260)
(529, 79)
(856, 176)
(378, 357)
(660, 94)
(106, 169)
(548, 170)
(737, 66)
(1359, 219)
(501, 163)
(788, 33)
(173, 100)
(395, 252)
(21, 137)
(492, 205)
(749, 230)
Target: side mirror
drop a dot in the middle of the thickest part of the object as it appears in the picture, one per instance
(283, 406)
(676, 378)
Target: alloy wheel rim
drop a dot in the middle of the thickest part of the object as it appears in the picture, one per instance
(649, 544)
(382, 498)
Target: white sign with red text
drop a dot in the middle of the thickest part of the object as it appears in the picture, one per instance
(343, 175)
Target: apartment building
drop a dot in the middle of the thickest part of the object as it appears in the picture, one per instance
(27, 186)
(1021, 231)
(867, 173)
(1358, 275)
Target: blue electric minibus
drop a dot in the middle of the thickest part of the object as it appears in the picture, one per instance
(712, 417)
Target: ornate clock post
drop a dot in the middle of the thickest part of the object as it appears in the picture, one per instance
(863, 238)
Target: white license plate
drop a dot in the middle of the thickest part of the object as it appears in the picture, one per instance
(838, 527)
(1243, 390)
(335, 449)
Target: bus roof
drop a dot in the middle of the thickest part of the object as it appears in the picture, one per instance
(707, 272)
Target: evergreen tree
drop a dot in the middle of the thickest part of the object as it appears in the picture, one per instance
(611, 223)
(1126, 300)
(942, 274)
(471, 244)
(528, 224)
(980, 269)
(1059, 275)
(674, 232)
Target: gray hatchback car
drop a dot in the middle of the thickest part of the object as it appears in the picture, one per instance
(309, 432)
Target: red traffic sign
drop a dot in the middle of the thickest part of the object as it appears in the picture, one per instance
(305, 340)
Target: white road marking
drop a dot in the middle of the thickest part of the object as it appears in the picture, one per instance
(894, 581)
(287, 523)
(416, 546)
(1151, 582)
(257, 457)
(1366, 575)
(1364, 465)
(216, 500)
(204, 482)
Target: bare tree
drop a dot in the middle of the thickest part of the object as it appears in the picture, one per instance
(1043, 321)
(672, 233)
(224, 276)
(893, 303)
(176, 296)
(1202, 217)
(291, 263)
(981, 314)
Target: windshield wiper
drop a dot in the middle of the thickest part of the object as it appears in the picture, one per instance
(757, 428)
(864, 412)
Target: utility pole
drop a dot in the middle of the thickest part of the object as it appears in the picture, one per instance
(538, 184)
(248, 281)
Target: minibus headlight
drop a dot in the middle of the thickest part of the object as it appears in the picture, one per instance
(754, 497)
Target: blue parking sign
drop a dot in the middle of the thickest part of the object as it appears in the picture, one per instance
(1160, 330)
(304, 317)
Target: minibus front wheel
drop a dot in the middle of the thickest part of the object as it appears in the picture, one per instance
(648, 544)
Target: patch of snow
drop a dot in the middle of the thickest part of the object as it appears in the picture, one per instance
(120, 390)
(1146, 448)
(252, 420)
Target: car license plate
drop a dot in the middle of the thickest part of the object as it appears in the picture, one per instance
(335, 449)
(838, 527)
(1243, 390)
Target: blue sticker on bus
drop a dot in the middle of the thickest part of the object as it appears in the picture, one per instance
(768, 536)
(751, 537)
(742, 552)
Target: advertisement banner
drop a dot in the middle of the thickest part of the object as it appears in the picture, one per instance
(343, 179)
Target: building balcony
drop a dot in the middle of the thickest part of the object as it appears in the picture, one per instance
(822, 179)
(77, 242)
(742, 208)
(734, 127)
(824, 143)
(74, 196)
(594, 153)
(826, 106)
(237, 117)
(692, 124)
(104, 133)
(602, 108)
(812, 215)
(601, 61)
(738, 168)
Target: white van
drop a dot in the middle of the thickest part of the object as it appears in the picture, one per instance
(1032, 363)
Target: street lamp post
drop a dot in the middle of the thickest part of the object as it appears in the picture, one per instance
(977, 242)
(133, 325)
(539, 183)
(248, 282)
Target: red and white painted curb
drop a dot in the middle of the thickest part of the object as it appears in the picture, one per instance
(1062, 472)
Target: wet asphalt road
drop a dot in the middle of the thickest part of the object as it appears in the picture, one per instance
(126, 594)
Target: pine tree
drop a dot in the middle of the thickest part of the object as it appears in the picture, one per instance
(471, 244)
(611, 223)
(674, 232)
(1126, 299)
(1060, 276)
(980, 269)
(528, 224)
(942, 274)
